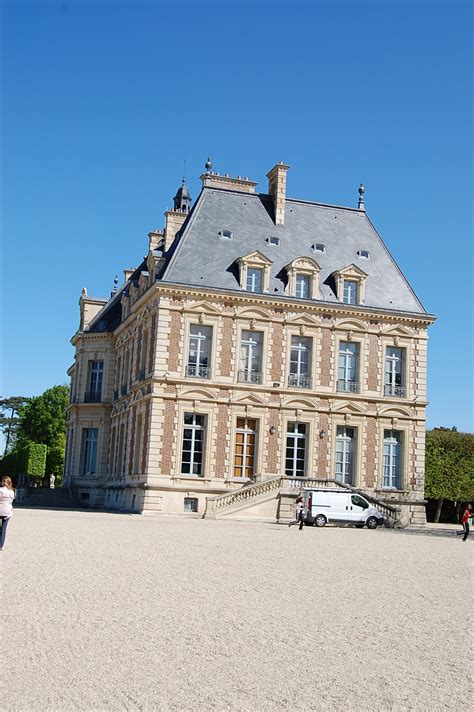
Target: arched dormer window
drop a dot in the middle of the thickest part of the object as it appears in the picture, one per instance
(255, 272)
(350, 284)
(303, 278)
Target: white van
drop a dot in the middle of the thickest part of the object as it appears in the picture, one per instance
(338, 505)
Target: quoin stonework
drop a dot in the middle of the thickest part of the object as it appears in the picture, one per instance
(264, 341)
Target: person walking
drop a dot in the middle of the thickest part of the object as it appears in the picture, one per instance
(299, 513)
(467, 513)
(7, 495)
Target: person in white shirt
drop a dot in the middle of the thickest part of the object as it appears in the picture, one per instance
(7, 495)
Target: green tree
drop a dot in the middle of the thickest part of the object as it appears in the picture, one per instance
(9, 421)
(449, 469)
(43, 420)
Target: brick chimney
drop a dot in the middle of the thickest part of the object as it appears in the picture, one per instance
(215, 180)
(277, 189)
(89, 307)
(174, 222)
(128, 273)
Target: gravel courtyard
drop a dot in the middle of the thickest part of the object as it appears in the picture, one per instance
(124, 612)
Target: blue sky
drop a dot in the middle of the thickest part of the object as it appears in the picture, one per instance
(102, 102)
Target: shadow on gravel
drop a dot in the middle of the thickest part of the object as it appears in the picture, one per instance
(443, 533)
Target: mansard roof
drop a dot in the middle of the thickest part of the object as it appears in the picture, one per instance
(202, 257)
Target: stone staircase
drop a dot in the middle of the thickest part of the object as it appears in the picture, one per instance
(45, 498)
(273, 499)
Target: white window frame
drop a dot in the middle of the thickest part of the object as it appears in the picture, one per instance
(346, 356)
(296, 437)
(392, 472)
(201, 371)
(303, 279)
(299, 377)
(251, 279)
(194, 427)
(350, 291)
(395, 366)
(245, 361)
(348, 451)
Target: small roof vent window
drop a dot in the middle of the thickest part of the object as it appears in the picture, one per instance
(272, 240)
(364, 254)
(318, 247)
(226, 234)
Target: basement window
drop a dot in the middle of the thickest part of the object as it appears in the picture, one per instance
(190, 504)
(226, 234)
(318, 247)
(363, 254)
(272, 240)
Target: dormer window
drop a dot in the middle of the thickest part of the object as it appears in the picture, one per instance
(350, 292)
(318, 247)
(363, 254)
(226, 234)
(272, 240)
(254, 279)
(303, 278)
(303, 286)
(255, 272)
(350, 284)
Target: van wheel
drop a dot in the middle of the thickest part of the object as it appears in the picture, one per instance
(372, 523)
(320, 520)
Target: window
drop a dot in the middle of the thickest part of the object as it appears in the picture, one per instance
(190, 504)
(345, 455)
(126, 372)
(272, 240)
(245, 444)
(300, 362)
(226, 234)
(347, 373)
(363, 254)
(359, 501)
(94, 380)
(318, 247)
(193, 445)
(392, 450)
(251, 357)
(303, 288)
(138, 444)
(143, 355)
(120, 464)
(199, 351)
(394, 372)
(254, 279)
(350, 292)
(89, 450)
(295, 450)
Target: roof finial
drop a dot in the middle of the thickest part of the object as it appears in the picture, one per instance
(208, 165)
(114, 290)
(361, 205)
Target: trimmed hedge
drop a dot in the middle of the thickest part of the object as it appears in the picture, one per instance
(29, 460)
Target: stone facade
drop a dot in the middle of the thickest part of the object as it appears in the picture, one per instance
(133, 392)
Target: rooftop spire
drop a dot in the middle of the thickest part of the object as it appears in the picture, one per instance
(208, 165)
(361, 205)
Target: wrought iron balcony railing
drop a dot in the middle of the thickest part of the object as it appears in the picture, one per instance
(195, 371)
(249, 376)
(347, 386)
(299, 381)
(92, 397)
(395, 391)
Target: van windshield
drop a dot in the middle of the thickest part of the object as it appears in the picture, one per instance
(359, 501)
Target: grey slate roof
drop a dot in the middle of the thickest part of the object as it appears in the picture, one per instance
(203, 259)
